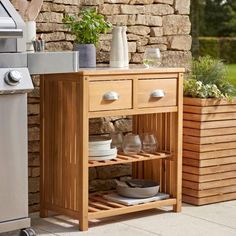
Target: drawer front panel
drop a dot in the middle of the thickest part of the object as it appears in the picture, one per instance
(110, 95)
(157, 92)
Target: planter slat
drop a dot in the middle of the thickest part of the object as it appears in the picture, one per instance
(209, 132)
(209, 117)
(209, 162)
(209, 124)
(209, 170)
(209, 192)
(208, 155)
(209, 110)
(209, 140)
(209, 150)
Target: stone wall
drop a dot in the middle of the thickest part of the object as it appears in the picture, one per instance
(151, 23)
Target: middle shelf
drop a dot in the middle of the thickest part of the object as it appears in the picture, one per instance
(122, 158)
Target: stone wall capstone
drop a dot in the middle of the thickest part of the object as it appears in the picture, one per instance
(151, 23)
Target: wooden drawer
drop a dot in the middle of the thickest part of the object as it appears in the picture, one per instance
(157, 92)
(101, 95)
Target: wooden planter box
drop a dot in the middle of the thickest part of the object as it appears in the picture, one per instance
(209, 151)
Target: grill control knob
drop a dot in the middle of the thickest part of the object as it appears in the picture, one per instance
(13, 77)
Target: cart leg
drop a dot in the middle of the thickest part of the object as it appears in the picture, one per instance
(43, 213)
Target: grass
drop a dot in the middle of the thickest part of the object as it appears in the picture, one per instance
(232, 74)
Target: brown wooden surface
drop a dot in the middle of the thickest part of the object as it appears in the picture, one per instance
(65, 103)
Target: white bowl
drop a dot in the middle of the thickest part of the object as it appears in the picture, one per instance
(102, 158)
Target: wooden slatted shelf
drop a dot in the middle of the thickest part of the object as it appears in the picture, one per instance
(100, 207)
(123, 158)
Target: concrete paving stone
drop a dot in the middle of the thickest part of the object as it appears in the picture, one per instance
(221, 213)
(179, 224)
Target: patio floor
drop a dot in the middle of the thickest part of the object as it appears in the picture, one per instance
(211, 220)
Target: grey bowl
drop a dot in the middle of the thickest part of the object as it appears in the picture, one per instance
(138, 188)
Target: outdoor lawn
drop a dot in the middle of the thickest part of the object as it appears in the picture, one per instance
(232, 73)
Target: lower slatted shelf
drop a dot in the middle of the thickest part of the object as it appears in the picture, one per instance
(100, 207)
(124, 158)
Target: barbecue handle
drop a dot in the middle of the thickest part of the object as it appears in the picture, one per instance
(11, 33)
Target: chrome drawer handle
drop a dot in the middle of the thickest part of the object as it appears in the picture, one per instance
(111, 96)
(158, 93)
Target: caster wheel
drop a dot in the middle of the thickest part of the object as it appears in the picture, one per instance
(27, 232)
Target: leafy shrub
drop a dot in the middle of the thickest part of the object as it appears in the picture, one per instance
(87, 27)
(223, 48)
(207, 79)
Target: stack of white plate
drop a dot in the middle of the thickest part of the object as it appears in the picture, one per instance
(100, 149)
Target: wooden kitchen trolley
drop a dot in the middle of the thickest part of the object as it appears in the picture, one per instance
(153, 97)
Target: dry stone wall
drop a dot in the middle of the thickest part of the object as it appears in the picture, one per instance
(151, 23)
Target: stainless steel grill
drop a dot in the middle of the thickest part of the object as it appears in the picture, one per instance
(15, 82)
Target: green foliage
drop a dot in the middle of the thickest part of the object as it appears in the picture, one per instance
(87, 27)
(223, 48)
(232, 74)
(207, 79)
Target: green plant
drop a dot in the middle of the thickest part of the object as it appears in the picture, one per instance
(87, 27)
(207, 79)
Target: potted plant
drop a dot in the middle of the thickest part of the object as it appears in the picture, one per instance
(209, 141)
(86, 28)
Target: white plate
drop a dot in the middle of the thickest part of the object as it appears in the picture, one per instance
(102, 158)
(99, 143)
(105, 152)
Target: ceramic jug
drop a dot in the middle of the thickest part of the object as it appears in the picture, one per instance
(125, 46)
(117, 48)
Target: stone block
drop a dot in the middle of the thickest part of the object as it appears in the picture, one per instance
(59, 46)
(35, 171)
(34, 208)
(177, 58)
(55, 36)
(33, 159)
(68, 2)
(159, 9)
(132, 9)
(139, 30)
(109, 9)
(52, 17)
(124, 125)
(182, 6)
(33, 146)
(137, 58)
(91, 2)
(149, 20)
(103, 57)
(156, 31)
(92, 173)
(49, 27)
(180, 42)
(33, 120)
(176, 24)
(141, 1)
(33, 133)
(33, 109)
(170, 2)
(34, 93)
(101, 185)
(132, 46)
(34, 198)
(34, 184)
(114, 171)
(132, 37)
(158, 40)
(117, 1)
(101, 128)
(162, 47)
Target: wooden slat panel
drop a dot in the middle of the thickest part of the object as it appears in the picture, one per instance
(207, 200)
(208, 124)
(209, 185)
(207, 102)
(209, 162)
(209, 140)
(209, 109)
(210, 177)
(209, 170)
(209, 147)
(209, 192)
(209, 155)
(209, 117)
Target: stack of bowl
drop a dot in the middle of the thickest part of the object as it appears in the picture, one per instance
(100, 149)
